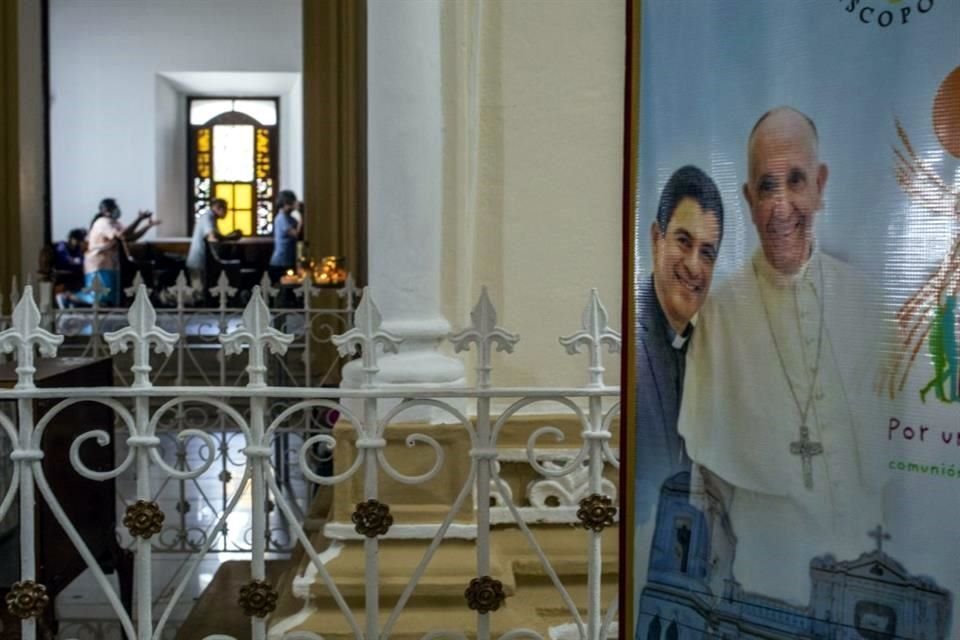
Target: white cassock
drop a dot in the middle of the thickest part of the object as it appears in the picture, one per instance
(758, 336)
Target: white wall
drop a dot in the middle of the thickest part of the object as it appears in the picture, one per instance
(115, 108)
(534, 100)
(562, 115)
(291, 137)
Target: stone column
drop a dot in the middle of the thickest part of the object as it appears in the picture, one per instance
(405, 191)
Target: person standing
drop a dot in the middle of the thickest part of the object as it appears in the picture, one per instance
(102, 257)
(286, 232)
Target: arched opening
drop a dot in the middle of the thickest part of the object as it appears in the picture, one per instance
(653, 629)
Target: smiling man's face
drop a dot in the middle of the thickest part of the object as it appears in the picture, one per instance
(785, 189)
(683, 261)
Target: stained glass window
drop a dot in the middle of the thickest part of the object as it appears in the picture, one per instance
(233, 155)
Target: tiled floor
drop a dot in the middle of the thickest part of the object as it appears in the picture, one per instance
(85, 612)
(191, 508)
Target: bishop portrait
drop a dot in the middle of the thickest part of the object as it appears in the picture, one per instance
(776, 372)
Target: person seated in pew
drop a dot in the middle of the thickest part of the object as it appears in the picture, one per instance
(62, 264)
(68, 254)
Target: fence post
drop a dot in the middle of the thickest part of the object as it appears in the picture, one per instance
(258, 335)
(144, 518)
(484, 333)
(367, 335)
(23, 337)
(595, 509)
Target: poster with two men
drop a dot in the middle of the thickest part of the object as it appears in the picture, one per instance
(793, 451)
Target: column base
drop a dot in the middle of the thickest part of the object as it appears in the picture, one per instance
(429, 369)
(438, 601)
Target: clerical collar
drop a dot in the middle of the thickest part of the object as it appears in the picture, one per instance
(774, 277)
(678, 340)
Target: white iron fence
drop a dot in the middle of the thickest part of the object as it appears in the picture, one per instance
(310, 360)
(569, 486)
(196, 358)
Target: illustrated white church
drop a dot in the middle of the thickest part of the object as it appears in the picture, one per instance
(691, 586)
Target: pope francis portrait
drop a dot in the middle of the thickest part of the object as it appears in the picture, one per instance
(774, 375)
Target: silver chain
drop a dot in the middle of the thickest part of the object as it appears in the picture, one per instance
(804, 411)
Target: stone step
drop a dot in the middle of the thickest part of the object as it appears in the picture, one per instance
(542, 607)
(513, 562)
(536, 607)
(216, 610)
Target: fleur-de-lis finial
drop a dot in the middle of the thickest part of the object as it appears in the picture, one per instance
(349, 292)
(306, 289)
(267, 288)
(142, 332)
(25, 334)
(484, 332)
(223, 290)
(181, 289)
(594, 335)
(367, 334)
(135, 286)
(255, 331)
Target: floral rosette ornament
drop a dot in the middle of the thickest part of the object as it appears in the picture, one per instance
(372, 518)
(485, 594)
(257, 599)
(27, 599)
(143, 519)
(596, 512)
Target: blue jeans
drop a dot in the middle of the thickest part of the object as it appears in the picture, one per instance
(110, 279)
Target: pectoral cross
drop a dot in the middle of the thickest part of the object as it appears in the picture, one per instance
(806, 449)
